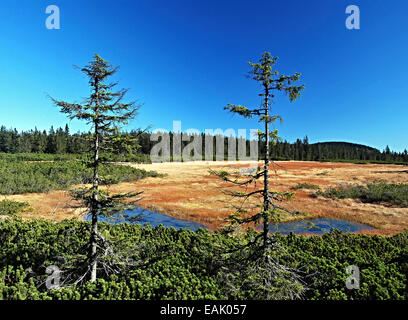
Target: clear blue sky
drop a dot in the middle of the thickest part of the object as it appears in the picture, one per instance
(185, 60)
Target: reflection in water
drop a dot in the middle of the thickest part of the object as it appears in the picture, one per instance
(312, 226)
(318, 226)
(143, 216)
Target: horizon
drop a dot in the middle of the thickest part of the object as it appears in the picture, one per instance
(186, 61)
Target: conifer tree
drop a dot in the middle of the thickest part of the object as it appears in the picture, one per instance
(272, 84)
(106, 113)
(258, 262)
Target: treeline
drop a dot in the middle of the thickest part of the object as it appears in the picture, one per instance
(302, 150)
(57, 141)
(61, 141)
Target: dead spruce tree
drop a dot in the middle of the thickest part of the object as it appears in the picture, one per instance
(105, 112)
(262, 257)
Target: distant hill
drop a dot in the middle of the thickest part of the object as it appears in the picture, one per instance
(347, 145)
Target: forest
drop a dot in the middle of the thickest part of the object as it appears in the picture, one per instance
(63, 143)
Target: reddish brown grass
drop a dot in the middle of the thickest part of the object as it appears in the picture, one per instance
(188, 191)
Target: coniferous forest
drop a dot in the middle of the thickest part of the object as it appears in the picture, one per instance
(61, 141)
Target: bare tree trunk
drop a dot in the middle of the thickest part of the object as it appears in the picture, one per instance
(266, 168)
(95, 187)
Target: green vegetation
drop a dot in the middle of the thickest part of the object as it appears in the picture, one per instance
(8, 207)
(306, 185)
(106, 113)
(23, 177)
(145, 158)
(271, 83)
(402, 163)
(105, 157)
(10, 157)
(182, 264)
(61, 142)
(376, 192)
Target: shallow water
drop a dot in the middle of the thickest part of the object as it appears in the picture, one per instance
(321, 226)
(154, 219)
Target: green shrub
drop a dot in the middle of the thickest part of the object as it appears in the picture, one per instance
(375, 192)
(184, 264)
(8, 207)
(306, 185)
(108, 157)
(24, 177)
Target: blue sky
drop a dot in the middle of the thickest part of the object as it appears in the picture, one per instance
(185, 60)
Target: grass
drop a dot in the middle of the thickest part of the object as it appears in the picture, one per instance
(376, 192)
(27, 177)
